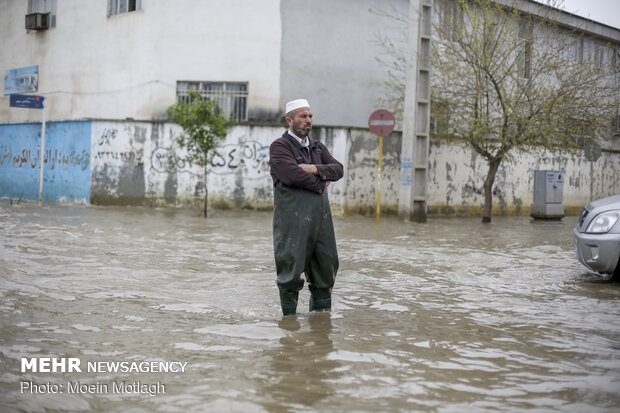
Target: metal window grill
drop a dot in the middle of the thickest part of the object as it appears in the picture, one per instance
(231, 97)
(124, 6)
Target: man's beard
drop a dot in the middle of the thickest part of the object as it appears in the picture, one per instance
(301, 132)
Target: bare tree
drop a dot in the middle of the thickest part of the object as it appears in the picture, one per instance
(505, 80)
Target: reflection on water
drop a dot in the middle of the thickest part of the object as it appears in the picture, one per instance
(300, 374)
(451, 315)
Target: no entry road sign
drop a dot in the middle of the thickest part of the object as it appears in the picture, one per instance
(26, 101)
(381, 122)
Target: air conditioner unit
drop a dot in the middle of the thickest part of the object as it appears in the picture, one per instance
(37, 21)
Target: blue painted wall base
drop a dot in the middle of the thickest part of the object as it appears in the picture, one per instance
(66, 170)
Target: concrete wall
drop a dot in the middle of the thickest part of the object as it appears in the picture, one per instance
(456, 177)
(114, 162)
(126, 66)
(140, 162)
(67, 161)
(362, 172)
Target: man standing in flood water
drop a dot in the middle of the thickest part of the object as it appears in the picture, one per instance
(303, 231)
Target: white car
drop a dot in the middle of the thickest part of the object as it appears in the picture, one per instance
(597, 236)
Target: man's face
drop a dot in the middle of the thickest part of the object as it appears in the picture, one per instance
(301, 123)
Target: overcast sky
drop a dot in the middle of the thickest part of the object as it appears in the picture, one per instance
(603, 11)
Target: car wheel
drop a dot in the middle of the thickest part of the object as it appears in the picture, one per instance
(616, 275)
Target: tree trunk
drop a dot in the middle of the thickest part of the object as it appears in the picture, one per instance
(488, 189)
(206, 193)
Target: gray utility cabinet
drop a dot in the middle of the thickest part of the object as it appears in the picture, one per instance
(548, 188)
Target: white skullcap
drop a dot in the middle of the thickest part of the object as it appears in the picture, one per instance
(296, 104)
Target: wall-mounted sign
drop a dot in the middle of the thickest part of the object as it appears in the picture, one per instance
(32, 102)
(26, 101)
(25, 79)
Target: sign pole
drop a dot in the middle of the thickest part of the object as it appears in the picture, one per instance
(591, 176)
(42, 159)
(381, 122)
(378, 209)
(33, 102)
(592, 151)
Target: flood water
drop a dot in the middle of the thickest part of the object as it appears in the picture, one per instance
(447, 316)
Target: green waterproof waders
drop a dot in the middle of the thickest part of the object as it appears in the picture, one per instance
(303, 241)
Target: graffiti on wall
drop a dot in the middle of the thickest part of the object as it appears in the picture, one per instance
(164, 160)
(251, 155)
(106, 138)
(123, 156)
(66, 157)
(52, 157)
(130, 160)
(107, 135)
(118, 162)
(469, 189)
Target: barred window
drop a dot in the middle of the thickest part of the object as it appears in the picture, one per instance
(573, 48)
(602, 55)
(124, 6)
(450, 17)
(440, 118)
(231, 97)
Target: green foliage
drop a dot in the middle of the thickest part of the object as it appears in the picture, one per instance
(204, 126)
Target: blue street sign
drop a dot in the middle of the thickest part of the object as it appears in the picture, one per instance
(26, 101)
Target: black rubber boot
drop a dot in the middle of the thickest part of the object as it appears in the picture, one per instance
(288, 301)
(320, 305)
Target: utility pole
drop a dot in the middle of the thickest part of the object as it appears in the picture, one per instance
(412, 198)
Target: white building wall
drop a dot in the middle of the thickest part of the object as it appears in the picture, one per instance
(126, 66)
(329, 56)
